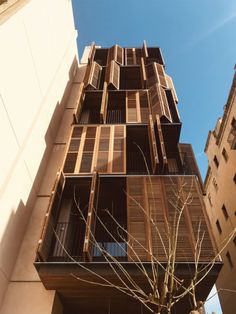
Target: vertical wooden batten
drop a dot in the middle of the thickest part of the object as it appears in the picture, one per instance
(91, 219)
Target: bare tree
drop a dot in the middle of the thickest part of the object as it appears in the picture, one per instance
(163, 292)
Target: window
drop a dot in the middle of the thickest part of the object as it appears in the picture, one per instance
(215, 183)
(225, 155)
(218, 226)
(232, 135)
(229, 259)
(216, 161)
(234, 178)
(224, 210)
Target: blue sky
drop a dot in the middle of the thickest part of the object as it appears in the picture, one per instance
(197, 39)
(198, 42)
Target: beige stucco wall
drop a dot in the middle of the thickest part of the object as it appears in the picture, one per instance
(223, 192)
(38, 62)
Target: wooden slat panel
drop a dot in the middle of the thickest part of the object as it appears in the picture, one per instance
(137, 219)
(161, 73)
(189, 162)
(91, 218)
(103, 111)
(50, 218)
(70, 162)
(87, 150)
(115, 53)
(112, 76)
(132, 107)
(92, 75)
(164, 105)
(111, 55)
(143, 73)
(153, 145)
(118, 149)
(161, 146)
(158, 216)
(129, 56)
(119, 55)
(144, 106)
(152, 74)
(172, 190)
(158, 103)
(171, 86)
(104, 148)
(196, 214)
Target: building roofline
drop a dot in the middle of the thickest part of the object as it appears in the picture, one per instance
(227, 109)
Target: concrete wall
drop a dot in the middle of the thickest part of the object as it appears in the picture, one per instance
(38, 62)
(221, 189)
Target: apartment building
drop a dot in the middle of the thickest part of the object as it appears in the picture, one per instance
(115, 192)
(220, 200)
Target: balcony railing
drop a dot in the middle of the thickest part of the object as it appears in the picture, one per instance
(115, 249)
(67, 242)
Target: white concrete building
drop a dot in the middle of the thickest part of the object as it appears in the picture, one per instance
(38, 61)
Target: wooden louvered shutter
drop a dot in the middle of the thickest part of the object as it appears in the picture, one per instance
(132, 108)
(132, 56)
(161, 73)
(189, 162)
(198, 218)
(153, 145)
(73, 150)
(103, 111)
(119, 55)
(143, 73)
(115, 53)
(92, 75)
(91, 219)
(152, 74)
(118, 158)
(86, 154)
(172, 188)
(103, 150)
(158, 216)
(129, 56)
(158, 102)
(161, 146)
(171, 86)
(113, 74)
(45, 241)
(144, 106)
(137, 215)
(91, 53)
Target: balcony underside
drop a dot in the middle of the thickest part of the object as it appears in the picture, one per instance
(78, 296)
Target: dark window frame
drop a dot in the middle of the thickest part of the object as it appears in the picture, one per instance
(225, 212)
(218, 226)
(216, 161)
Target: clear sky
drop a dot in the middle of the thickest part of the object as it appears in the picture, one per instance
(197, 38)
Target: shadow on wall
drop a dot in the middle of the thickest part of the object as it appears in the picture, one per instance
(19, 217)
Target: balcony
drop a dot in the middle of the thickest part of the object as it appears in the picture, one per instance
(86, 226)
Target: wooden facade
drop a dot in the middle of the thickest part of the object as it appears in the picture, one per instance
(123, 178)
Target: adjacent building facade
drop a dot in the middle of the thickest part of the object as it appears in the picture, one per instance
(220, 200)
(37, 66)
